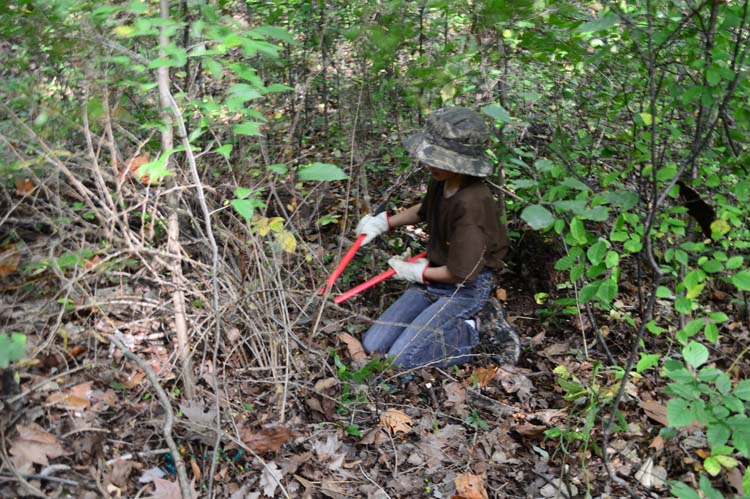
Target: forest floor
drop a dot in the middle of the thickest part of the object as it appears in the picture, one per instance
(86, 422)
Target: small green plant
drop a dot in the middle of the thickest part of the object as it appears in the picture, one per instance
(588, 399)
(702, 394)
(476, 422)
(353, 430)
(351, 395)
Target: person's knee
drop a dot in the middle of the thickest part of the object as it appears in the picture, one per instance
(373, 342)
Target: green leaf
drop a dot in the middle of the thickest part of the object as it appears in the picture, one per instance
(607, 291)
(597, 214)
(692, 327)
(719, 228)
(247, 128)
(726, 461)
(647, 361)
(718, 316)
(246, 207)
(633, 245)
(683, 305)
(680, 413)
(623, 200)
(577, 271)
(577, 206)
(155, 170)
(596, 252)
(663, 292)
(497, 112)
(711, 332)
(735, 262)
(742, 280)
(321, 172)
(276, 33)
(538, 217)
(742, 390)
(712, 266)
(646, 118)
(695, 354)
(612, 260)
(244, 92)
(712, 466)
(742, 190)
(683, 491)
(600, 24)
(574, 183)
(225, 150)
(717, 434)
(242, 192)
(588, 292)
(279, 168)
(713, 76)
(577, 230)
(12, 348)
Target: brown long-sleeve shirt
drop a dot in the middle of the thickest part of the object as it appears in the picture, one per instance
(465, 231)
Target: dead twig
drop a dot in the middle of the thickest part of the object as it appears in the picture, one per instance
(182, 478)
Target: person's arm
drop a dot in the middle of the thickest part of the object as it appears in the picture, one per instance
(441, 274)
(409, 216)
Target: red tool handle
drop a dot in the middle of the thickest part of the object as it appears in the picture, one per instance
(342, 264)
(371, 282)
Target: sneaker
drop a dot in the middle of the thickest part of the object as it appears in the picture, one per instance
(498, 340)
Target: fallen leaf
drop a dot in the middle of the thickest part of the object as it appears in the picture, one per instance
(395, 421)
(9, 260)
(136, 162)
(76, 398)
(164, 489)
(456, 392)
(734, 477)
(149, 475)
(655, 411)
(92, 262)
(538, 339)
(134, 380)
(703, 453)
(651, 476)
(501, 294)
(530, 430)
(329, 453)
(324, 384)
(470, 486)
(483, 376)
(270, 478)
(120, 474)
(24, 186)
(356, 351)
(555, 349)
(267, 439)
(34, 446)
(657, 443)
(195, 469)
(515, 383)
(197, 413)
(373, 436)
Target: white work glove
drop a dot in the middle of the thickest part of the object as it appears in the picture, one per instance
(409, 271)
(372, 227)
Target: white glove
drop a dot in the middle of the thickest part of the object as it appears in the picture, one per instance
(372, 227)
(409, 271)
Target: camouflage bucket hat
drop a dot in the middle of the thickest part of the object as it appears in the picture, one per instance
(453, 139)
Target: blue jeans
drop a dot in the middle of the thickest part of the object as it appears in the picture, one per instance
(426, 326)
